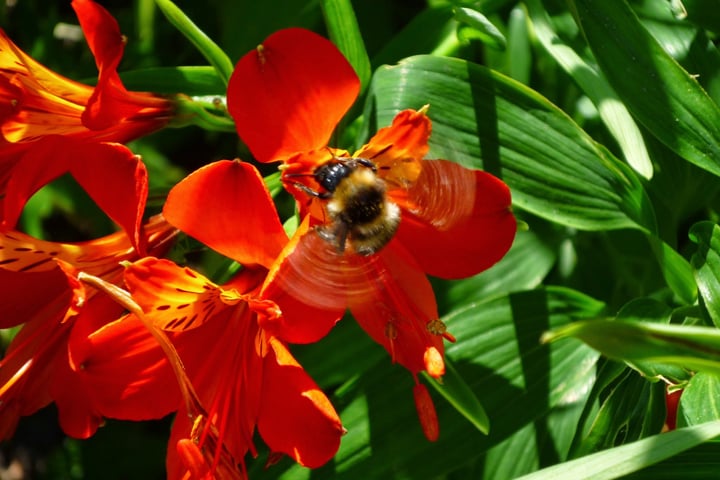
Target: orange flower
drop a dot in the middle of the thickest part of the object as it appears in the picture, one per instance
(38, 367)
(375, 222)
(244, 378)
(35, 101)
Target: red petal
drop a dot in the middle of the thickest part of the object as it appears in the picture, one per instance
(402, 312)
(289, 94)
(306, 286)
(76, 414)
(296, 417)
(462, 223)
(40, 102)
(116, 180)
(426, 412)
(174, 298)
(226, 206)
(108, 103)
(110, 173)
(18, 295)
(32, 172)
(126, 371)
(398, 150)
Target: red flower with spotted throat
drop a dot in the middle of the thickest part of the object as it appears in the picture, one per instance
(376, 222)
(36, 102)
(41, 291)
(240, 378)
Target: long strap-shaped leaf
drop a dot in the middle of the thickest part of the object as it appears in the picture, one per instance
(613, 113)
(659, 92)
(484, 119)
(616, 462)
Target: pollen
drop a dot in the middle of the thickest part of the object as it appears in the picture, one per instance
(261, 54)
(391, 331)
(437, 327)
(434, 363)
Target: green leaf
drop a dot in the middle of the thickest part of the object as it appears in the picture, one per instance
(428, 29)
(619, 461)
(169, 80)
(478, 26)
(498, 356)
(457, 392)
(700, 400)
(706, 262)
(676, 270)
(543, 442)
(697, 463)
(345, 33)
(483, 119)
(694, 348)
(659, 93)
(704, 13)
(650, 310)
(629, 409)
(209, 49)
(613, 113)
(519, 53)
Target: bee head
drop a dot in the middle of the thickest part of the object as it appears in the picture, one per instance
(331, 174)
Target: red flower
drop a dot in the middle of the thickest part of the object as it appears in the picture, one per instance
(38, 367)
(36, 102)
(375, 222)
(244, 378)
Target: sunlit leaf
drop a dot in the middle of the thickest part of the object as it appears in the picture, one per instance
(187, 80)
(208, 48)
(345, 33)
(478, 26)
(658, 92)
(486, 120)
(619, 461)
(694, 348)
(593, 84)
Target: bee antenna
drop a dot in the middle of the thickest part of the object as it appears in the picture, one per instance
(299, 175)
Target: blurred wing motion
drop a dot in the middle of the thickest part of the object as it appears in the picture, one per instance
(443, 194)
(316, 274)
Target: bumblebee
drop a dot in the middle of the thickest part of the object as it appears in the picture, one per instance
(360, 214)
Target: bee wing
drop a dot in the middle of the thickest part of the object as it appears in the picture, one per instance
(456, 222)
(443, 195)
(316, 274)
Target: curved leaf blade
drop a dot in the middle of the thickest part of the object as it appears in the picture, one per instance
(659, 92)
(345, 33)
(498, 356)
(484, 119)
(613, 113)
(694, 348)
(706, 262)
(208, 48)
(700, 400)
(616, 462)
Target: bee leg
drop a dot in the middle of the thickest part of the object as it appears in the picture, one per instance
(366, 163)
(337, 235)
(341, 234)
(310, 191)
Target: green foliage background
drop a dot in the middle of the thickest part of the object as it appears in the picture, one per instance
(602, 117)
